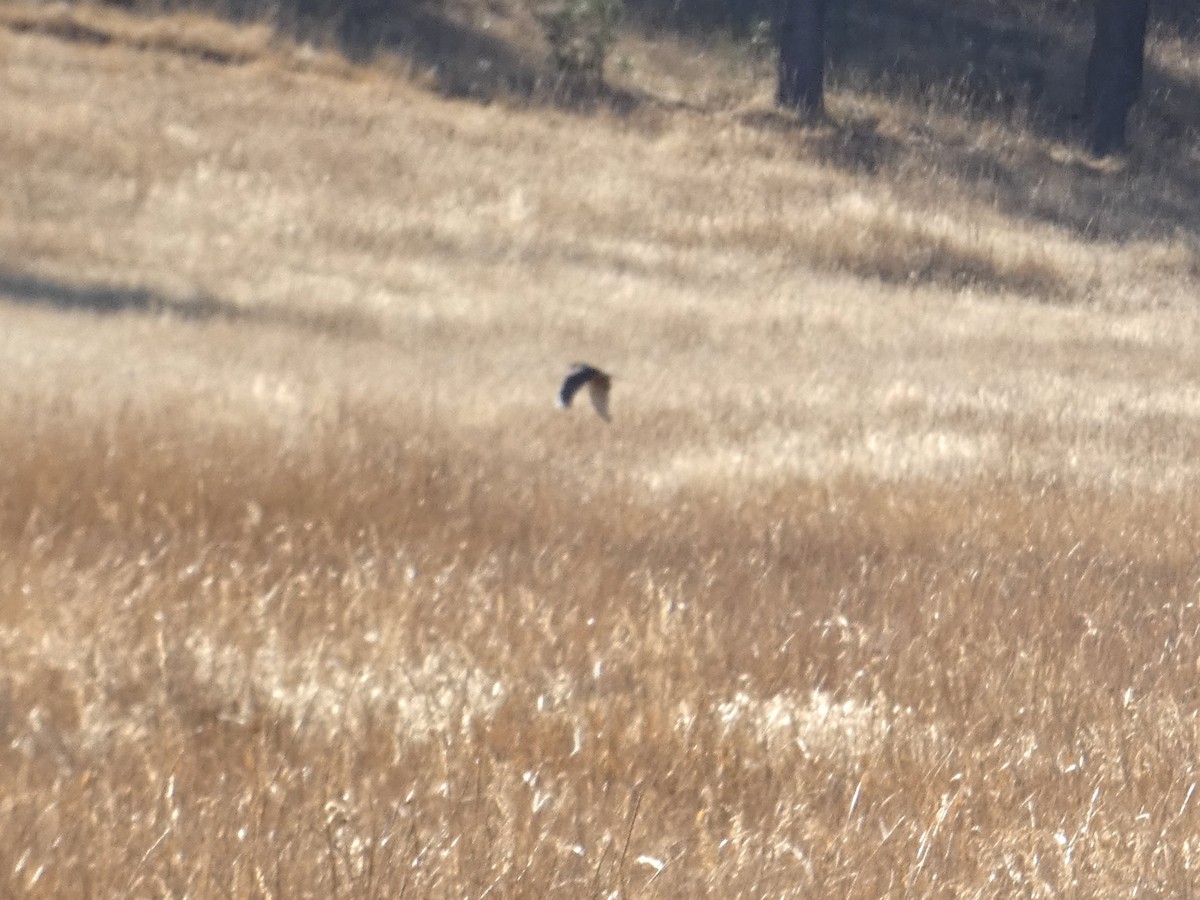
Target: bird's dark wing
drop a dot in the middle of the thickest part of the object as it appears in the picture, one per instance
(579, 375)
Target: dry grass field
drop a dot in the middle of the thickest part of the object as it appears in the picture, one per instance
(883, 581)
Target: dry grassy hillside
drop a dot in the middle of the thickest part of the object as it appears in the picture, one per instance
(883, 581)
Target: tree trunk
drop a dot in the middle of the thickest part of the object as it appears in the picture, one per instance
(802, 56)
(1114, 72)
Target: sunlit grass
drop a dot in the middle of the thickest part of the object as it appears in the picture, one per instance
(882, 582)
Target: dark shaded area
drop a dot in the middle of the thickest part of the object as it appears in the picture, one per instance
(1007, 63)
(997, 56)
(1157, 194)
(851, 144)
(696, 17)
(1180, 16)
(69, 30)
(464, 61)
(993, 61)
(1019, 64)
(106, 299)
(461, 60)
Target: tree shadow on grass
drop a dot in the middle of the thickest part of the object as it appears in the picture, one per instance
(108, 300)
(463, 60)
(103, 299)
(1020, 68)
(1018, 65)
(851, 143)
(460, 54)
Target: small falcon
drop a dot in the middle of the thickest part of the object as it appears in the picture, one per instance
(598, 384)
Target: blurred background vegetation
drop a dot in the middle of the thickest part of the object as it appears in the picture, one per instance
(1017, 63)
(991, 51)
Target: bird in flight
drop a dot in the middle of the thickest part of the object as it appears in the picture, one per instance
(598, 385)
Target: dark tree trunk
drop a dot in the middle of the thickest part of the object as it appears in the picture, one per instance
(1114, 72)
(802, 56)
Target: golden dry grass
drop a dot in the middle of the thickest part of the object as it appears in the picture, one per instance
(883, 582)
